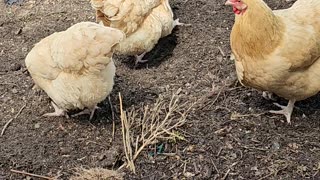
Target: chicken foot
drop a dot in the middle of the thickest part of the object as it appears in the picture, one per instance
(57, 111)
(178, 23)
(286, 110)
(87, 111)
(139, 58)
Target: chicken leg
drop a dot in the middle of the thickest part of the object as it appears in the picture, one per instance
(87, 111)
(57, 111)
(286, 110)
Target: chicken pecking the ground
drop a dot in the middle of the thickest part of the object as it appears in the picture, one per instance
(75, 67)
(143, 21)
(278, 51)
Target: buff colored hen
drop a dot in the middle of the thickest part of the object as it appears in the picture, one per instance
(75, 67)
(143, 21)
(278, 51)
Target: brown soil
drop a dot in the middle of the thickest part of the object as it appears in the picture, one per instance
(227, 137)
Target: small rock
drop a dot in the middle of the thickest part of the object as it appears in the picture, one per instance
(188, 174)
(14, 91)
(233, 156)
(219, 58)
(275, 145)
(37, 126)
(191, 148)
(201, 157)
(24, 49)
(254, 168)
(293, 145)
(229, 145)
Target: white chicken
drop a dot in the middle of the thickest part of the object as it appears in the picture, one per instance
(143, 22)
(75, 67)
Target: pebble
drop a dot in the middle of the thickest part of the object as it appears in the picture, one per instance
(37, 126)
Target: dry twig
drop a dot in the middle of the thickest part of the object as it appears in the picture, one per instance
(221, 51)
(113, 119)
(126, 136)
(10, 120)
(226, 174)
(30, 174)
(235, 116)
(12, 84)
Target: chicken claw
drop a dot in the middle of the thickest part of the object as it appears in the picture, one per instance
(57, 111)
(139, 58)
(87, 111)
(178, 23)
(286, 110)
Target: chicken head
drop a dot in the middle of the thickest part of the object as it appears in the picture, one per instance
(239, 7)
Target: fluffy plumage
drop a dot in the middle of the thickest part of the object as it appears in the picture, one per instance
(143, 21)
(279, 51)
(75, 67)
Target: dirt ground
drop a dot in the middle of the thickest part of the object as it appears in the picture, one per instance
(229, 136)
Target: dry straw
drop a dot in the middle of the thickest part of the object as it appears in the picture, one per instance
(144, 127)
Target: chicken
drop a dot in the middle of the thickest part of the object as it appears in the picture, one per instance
(143, 22)
(75, 67)
(278, 51)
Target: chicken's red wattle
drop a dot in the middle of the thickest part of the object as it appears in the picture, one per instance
(236, 11)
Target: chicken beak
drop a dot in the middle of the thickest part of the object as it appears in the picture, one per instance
(229, 3)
